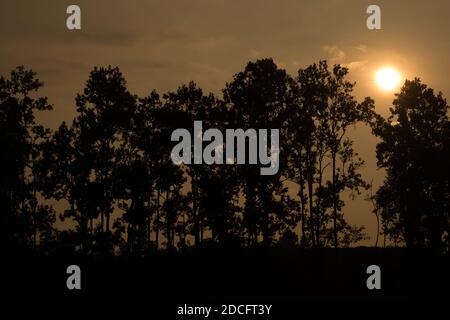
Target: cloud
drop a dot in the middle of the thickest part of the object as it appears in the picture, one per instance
(336, 55)
(356, 65)
(362, 48)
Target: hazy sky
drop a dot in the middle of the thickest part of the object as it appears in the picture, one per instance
(162, 44)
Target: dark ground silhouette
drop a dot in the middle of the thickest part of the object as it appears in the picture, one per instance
(220, 276)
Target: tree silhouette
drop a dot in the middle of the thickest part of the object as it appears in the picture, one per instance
(185, 106)
(259, 97)
(112, 169)
(326, 109)
(85, 157)
(414, 199)
(24, 221)
(137, 175)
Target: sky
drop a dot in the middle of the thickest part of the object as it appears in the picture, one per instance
(161, 44)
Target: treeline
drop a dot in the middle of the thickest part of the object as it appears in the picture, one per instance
(122, 194)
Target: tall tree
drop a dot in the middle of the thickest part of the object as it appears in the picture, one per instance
(259, 98)
(414, 199)
(85, 157)
(327, 160)
(185, 106)
(24, 222)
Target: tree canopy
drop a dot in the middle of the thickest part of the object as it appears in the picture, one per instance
(112, 170)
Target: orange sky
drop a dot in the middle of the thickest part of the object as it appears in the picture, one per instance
(162, 44)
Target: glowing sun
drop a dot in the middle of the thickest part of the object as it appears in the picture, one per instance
(387, 78)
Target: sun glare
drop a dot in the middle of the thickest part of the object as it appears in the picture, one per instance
(387, 78)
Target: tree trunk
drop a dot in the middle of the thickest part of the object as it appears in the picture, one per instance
(168, 222)
(302, 216)
(310, 198)
(194, 211)
(101, 222)
(157, 220)
(334, 202)
(149, 218)
(108, 214)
